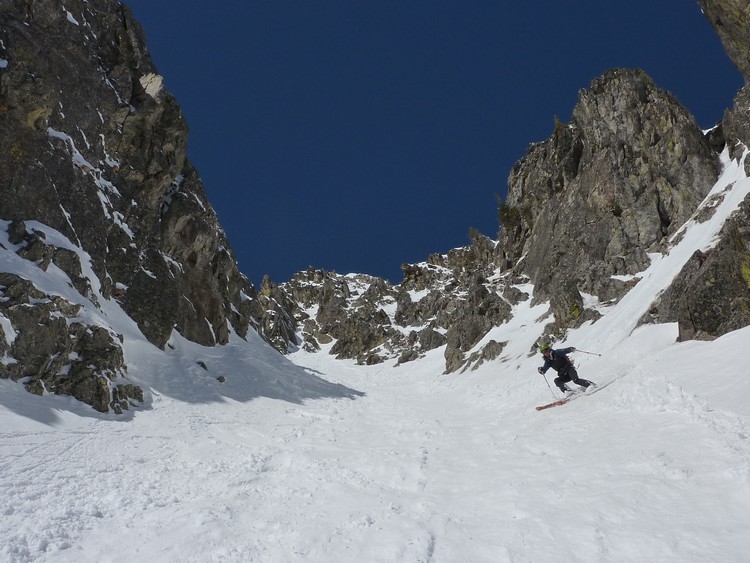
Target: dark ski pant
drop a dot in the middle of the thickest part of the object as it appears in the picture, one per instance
(570, 374)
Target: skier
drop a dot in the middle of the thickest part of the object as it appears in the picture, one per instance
(559, 361)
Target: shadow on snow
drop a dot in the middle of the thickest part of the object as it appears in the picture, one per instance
(191, 373)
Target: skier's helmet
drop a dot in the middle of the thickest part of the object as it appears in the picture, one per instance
(544, 347)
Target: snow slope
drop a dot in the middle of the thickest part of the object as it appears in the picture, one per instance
(322, 460)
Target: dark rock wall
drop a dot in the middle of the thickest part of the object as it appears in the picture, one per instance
(731, 21)
(98, 152)
(711, 294)
(447, 301)
(92, 145)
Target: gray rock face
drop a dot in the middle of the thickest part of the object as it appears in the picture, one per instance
(731, 21)
(717, 295)
(711, 295)
(347, 311)
(735, 126)
(446, 301)
(588, 203)
(276, 322)
(95, 147)
(51, 350)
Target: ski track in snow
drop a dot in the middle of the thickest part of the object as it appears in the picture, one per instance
(327, 461)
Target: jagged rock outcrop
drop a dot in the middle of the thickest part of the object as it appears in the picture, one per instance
(711, 295)
(590, 202)
(716, 299)
(450, 300)
(731, 21)
(94, 147)
(347, 311)
(43, 343)
(277, 324)
(447, 301)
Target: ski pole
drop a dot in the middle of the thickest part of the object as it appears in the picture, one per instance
(548, 385)
(585, 352)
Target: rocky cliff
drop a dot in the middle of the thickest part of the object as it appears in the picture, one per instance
(586, 206)
(102, 214)
(711, 296)
(448, 301)
(94, 149)
(731, 21)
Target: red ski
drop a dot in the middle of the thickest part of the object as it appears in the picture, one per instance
(577, 394)
(566, 399)
(557, 403)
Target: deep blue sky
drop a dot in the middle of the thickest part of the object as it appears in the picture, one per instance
(356, 135)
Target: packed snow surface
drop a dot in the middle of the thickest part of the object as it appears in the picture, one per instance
(308, 458)
(422, 467)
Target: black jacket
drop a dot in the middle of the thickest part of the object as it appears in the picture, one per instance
(558, 361)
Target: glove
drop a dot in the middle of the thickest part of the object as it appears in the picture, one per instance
(573, 349)
(540, 370)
